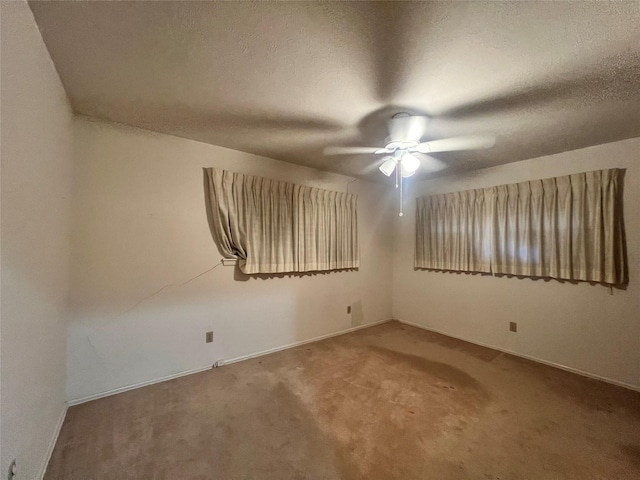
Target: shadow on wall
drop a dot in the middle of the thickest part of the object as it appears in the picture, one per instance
(337, 309)
(357, 313)
(306, 305)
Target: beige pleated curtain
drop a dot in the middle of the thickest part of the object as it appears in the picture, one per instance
(566, 227)
(451, 232)
(275, 227)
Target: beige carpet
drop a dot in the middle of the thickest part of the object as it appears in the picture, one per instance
(390, 401)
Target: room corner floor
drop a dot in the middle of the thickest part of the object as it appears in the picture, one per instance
(390, 401)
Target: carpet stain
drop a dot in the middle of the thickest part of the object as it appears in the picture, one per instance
(452, 376)
(632, 452)
(386, 409)
(586, 393)
(476, 351)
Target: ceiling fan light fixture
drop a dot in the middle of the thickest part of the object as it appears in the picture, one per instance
(409, 164)
(406, 173)
(388, 166)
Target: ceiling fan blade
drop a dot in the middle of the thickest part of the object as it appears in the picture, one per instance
(431, 164)
(355, 150)
(469, 142)
(612, 78)
(407, 129)
(386, 22)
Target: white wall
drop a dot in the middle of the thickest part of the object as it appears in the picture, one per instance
(139, 224)
(36, 148)
(578, 326)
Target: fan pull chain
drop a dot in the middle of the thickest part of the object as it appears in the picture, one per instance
(399, 175)
(400, 214)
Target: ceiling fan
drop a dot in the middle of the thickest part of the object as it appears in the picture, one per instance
(404, 151)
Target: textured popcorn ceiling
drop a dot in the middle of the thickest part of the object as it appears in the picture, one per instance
(286, 79)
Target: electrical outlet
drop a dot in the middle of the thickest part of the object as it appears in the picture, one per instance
(209, 337)
(513, 327)
(349, 309)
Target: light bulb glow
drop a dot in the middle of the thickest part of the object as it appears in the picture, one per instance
(409, 164)
(406, 174)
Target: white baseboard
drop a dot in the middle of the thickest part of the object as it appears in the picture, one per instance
(529, 357)
(126, 388)
(302, 342)
(96, 396)
(53, 442)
